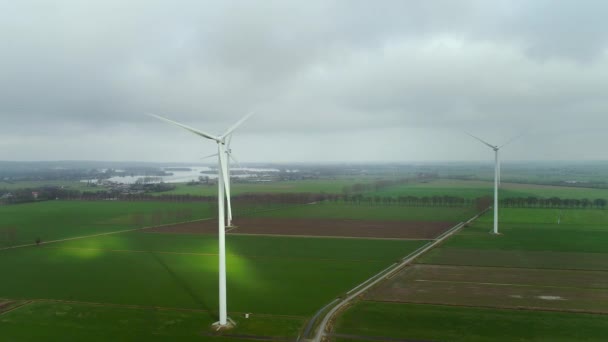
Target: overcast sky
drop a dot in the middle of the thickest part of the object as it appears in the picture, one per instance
(329, 80)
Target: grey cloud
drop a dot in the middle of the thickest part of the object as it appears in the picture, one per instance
(316, 70)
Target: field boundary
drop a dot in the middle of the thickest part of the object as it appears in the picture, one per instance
(374, 338)
(319, 227)
(522, 267)
(513, 308)
(325, 327)
(20, 305)
(140, 228)
(95, 235)
(507, 284)
(325, 237)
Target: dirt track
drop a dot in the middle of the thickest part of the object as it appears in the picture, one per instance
(317, 227)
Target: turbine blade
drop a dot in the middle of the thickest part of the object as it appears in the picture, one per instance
(210, 156)
(236, 125)
(188, 128)
(499, 162)
(483, 142)
(238, 165)
(228, 142)
(512, 139)
(231, 155)
(224, 172)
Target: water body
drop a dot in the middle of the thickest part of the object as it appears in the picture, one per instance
(194, 172)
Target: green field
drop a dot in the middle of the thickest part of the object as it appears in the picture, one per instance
(181, 280)
(531, 238)
(535, 264)
(64, 219)
(446, 323)
(70, 321)
(69, 185)
(160, 286)
(474, 189)
(51, 220)
(273, 277)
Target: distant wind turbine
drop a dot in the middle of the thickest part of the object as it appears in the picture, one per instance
(223, 190)
(496, 174)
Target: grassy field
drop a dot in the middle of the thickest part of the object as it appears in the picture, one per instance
(180, 271)
(52, 220)
(70, 185)
(474, 189)
(282, 281)
(535, 265)
(63, 219)
(365, 212)
(162, 286)
(517, 258)
(181, 281)
(531, 238)
(71, 321)
(445, 323)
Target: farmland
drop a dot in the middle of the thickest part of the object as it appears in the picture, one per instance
(564, 290)
(364, 212)
(153, 274)
(74, 321)
(70, 185)
(531, 236)
(449, 323)
(421, 230)
(474, 189)
(64, 219)
(185, 278)
(552, 271)
(123, 276)
(335, 185)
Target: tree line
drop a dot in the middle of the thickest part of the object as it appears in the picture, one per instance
(382, 184)
(553, 202)
(26, 195)
(52, 193)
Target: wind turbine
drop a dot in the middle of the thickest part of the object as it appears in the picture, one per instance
(222, 176)
(496, 176)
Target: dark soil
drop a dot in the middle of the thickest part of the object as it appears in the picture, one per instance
(316, 227)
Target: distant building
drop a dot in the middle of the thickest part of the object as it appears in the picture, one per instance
(7, 195)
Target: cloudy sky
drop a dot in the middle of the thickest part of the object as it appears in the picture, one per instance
(329, 80)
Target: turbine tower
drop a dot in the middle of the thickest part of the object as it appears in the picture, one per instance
(222, 179)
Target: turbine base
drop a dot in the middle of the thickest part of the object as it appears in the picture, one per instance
(230, 324)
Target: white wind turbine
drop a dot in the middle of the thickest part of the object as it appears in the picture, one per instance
(496, 175)
(223, 191)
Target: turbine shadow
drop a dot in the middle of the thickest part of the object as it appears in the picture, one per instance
(185, 286)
